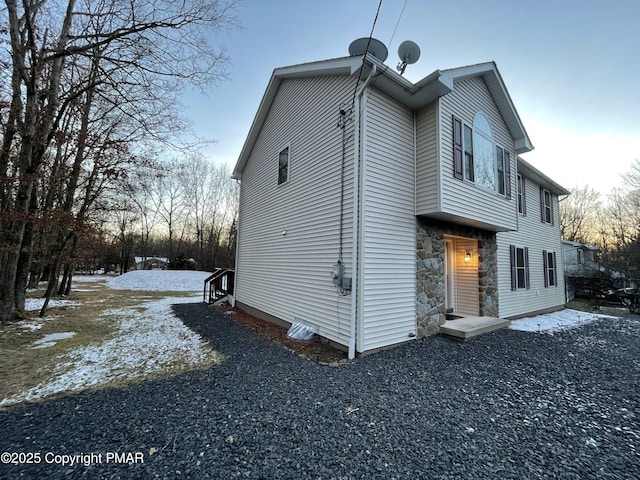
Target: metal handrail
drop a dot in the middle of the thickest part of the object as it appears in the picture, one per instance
(215, 282)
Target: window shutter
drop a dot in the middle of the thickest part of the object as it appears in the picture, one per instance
(555, 267)
(526, 266)
(551, 206)
(507, 175)
(514, 271)
(457, 148)
(524, 196)
(545, 267)
(542, 205)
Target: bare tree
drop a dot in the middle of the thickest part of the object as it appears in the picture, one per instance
(168, 197)
(140, 53)
(621, 227)
(579, 215)
(198, 194)
(224, 219)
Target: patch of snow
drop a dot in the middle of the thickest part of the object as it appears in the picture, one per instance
(31, 304)
(160, 280)
(147, 342)
(556, 321)
(91, 278)
(32, 326)
(51, 339)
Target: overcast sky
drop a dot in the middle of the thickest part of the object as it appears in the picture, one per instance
(572, 68)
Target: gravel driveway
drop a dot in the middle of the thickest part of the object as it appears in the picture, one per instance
(508, 405)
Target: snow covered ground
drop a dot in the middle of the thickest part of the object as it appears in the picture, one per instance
(556, 321)
(31, 304)
(149, 340)
(159, 280)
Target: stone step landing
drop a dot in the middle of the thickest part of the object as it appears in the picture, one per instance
(468, 327)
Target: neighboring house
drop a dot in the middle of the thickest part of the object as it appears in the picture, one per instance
(581, 267)
(416, 189)
(580, 260)
(151, 263)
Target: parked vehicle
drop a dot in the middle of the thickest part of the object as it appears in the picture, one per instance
(623, 297)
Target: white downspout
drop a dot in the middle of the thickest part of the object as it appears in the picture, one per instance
(355, 293)
(232, 301)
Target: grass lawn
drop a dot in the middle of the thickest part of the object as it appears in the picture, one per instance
(91, 320)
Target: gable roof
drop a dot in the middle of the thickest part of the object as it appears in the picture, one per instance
(569, 243)
(413, 95)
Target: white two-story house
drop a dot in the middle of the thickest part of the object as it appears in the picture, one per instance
(371, 207)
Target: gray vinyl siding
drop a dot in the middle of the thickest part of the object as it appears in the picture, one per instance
(537, 236)
(288, 276)
(388, 224)
(427, 159)
(464, 198)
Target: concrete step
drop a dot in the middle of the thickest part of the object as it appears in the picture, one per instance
(468, 327)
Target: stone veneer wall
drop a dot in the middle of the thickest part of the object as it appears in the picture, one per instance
(430, 287)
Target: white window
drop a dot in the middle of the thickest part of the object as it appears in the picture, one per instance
(485, 163)
(484, 169)
(468, 154)
(519, 267)
(550, 269)
(522, 201)
(283, 166)
(546, 206)
(500, 169)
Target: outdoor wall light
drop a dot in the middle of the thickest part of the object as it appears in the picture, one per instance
(467, 256)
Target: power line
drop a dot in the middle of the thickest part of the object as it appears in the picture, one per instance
(355, 90)
(398, 22)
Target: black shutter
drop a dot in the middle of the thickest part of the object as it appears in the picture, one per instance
(507, 175)
(514, 270)
(542, 219)
(524, 196)
(457, 148)
(545, 266)
(526, 266)
(555, 268)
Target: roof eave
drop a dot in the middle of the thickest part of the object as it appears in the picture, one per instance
(529, 171)
(580, 245)
(412, 95)
(407, 93)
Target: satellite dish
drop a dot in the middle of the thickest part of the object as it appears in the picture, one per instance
(376, 48)
(409, 53)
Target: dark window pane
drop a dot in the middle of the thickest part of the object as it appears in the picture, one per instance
(468, 154)
(468, 144)
(283, 166)
(500, 167)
